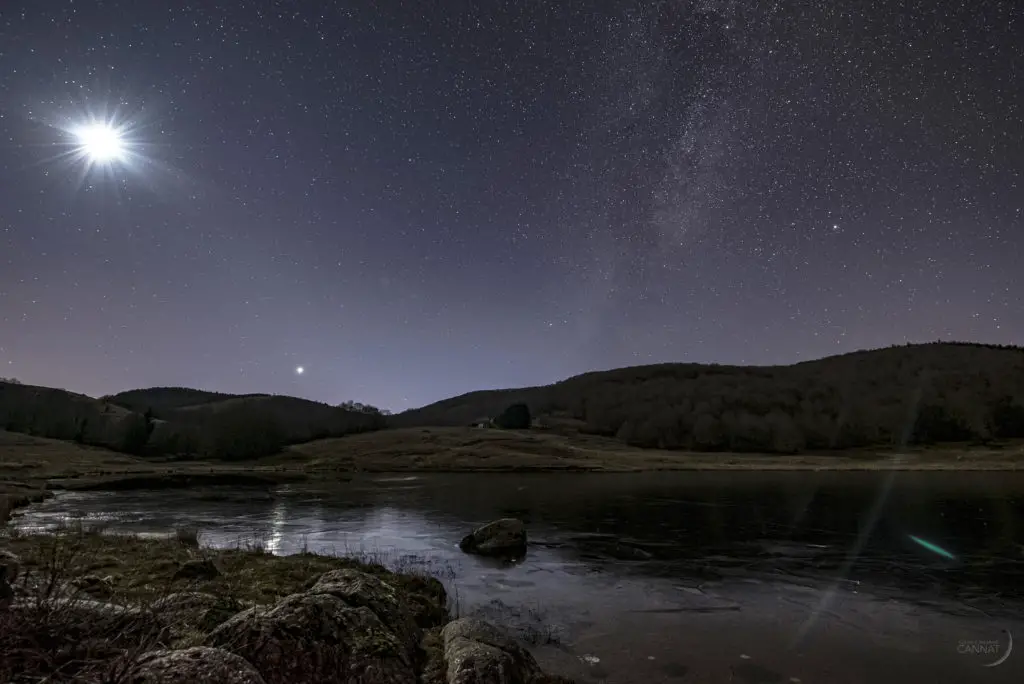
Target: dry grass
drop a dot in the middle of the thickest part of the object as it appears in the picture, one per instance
(29, 465)
(483, 450)
(57, 632)
(23, 457)
(142, 569)
(88, 601)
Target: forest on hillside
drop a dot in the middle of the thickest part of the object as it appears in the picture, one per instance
(914, 394)
(185, 423)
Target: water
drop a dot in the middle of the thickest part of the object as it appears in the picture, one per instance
(685, 577)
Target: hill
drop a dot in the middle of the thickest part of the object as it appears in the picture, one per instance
(921, 393)
(913, 394)
(178, 421)
(160, 400)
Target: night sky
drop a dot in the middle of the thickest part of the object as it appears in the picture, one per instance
(411, 200)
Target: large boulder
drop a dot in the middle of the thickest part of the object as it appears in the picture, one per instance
(504, 537)
(477, 652)
(317, 638)
(359, 589)
(198, 664)
(195, 609)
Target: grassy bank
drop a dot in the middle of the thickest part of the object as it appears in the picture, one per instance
(490, 450)
(140, 570)
(90, 602)
(31, 468)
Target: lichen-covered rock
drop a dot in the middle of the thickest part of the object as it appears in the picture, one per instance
(316, 638)
(198, 664)
(197, 609)
(200, 569)
(504, 537)
(477, 652)
(387, 602)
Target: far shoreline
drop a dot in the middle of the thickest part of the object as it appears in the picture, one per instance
(251, 478)
(32, 468)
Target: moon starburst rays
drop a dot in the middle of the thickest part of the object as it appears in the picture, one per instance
(101, 143)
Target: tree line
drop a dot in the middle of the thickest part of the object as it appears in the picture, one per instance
(916, 394)
(230, 429)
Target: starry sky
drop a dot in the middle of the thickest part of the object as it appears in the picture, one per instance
(412, 200)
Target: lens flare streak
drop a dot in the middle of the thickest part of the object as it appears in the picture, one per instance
(932, 547)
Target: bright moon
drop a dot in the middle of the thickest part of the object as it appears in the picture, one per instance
(101, 142)
(299, 370)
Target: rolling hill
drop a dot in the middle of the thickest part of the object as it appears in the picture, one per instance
(177, 421)
(923, 393)
(161, 400)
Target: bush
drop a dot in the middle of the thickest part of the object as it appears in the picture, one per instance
(515, 417)
(135, 432)
(935, 423)
(1007, 419)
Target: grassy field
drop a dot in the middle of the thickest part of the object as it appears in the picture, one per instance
(31, 465)
(489, 450)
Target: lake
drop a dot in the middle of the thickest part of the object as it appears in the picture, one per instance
(706, 577)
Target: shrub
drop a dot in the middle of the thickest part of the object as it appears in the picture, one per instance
(515, 417)
(1007, 419)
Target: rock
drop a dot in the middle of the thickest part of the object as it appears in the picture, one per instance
(477, 652)
(197, 664)
(195, 608)
(504, 537)
(388, 603)
(202, 569)
(316, 638)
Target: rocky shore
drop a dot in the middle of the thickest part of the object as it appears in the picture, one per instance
(83, 606)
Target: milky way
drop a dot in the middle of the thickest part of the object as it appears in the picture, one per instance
(411, 202)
